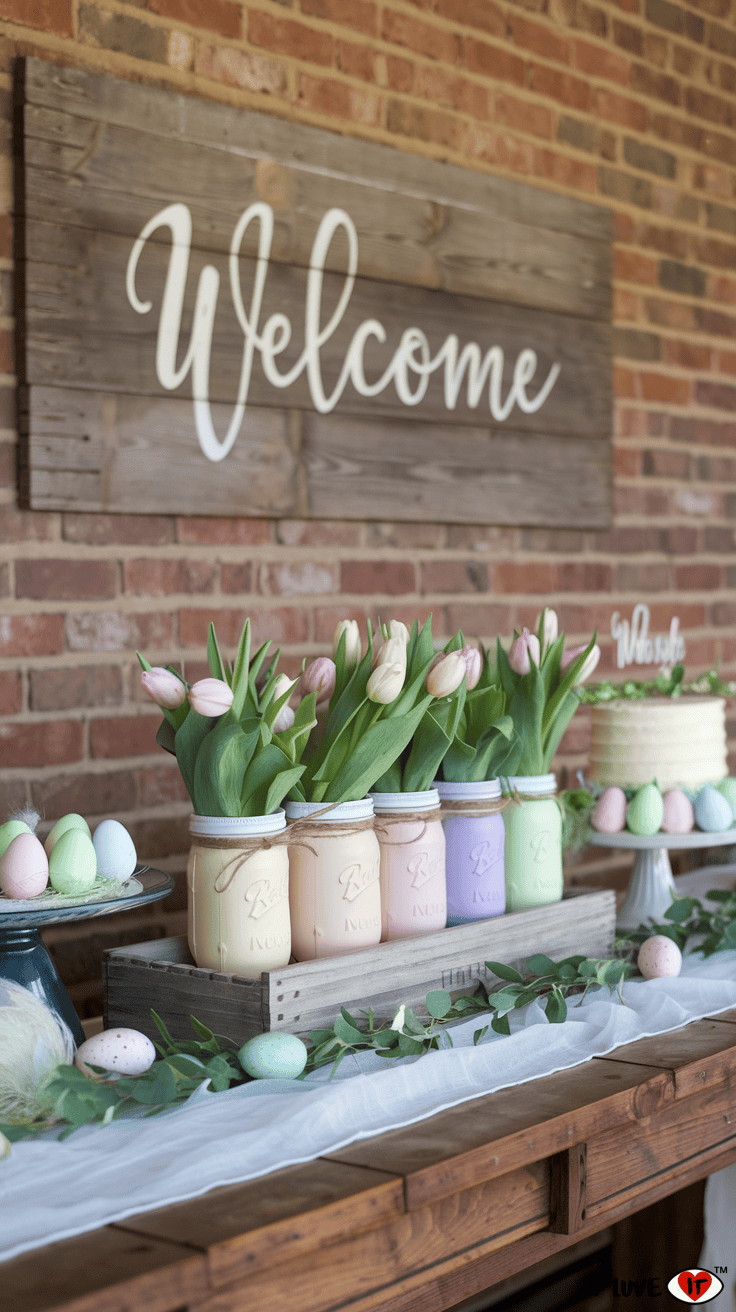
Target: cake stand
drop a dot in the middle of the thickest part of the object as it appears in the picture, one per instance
(23, 956)
(652, 888)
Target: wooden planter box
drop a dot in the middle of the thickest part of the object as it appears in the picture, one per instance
(308, 995)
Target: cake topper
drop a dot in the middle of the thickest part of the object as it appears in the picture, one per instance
(634, 646)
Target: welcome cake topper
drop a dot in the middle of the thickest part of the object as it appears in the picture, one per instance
(635, 646)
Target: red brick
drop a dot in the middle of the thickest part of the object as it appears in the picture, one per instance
(500, 148)
(360, 14)
(236, 578)
(522, 116)
(123, 735)
(6, 351)
(626, 538)
(394, 73)
(318, 533)
(157, 838)
(647, 577)
(297, 579)
(454, 576)
(560, 86)
(158, 786)
(406, 535)
(651, 83)
(87, 794)
(612, 108)
(626, 462)
(483, 14)
(718, 395)
(47, 742)
(117, 631)
(220, 531)
(287, 37)
(664, 463)
(240, 68)
(494, 62)
(720, 253)
(66, 580)
(339, 100)
(327, 618)
(478, 620)
(27, 525)
(81, 685)
(410, 120)
(697, 578)
(31, 635)
(421, 38)
(122, 33)
(282, 624)
(453, 91)
(389, 578)
(6, 236)
(671, 314)
(570, 172)
(162, 578)
(543, 41)
(123, 530)
(11, 692)
(686, 354)
(632, 267)
(45, 15)
(663, 387)
(531, 576)
(598, 62)
(221, 16)
(552, 539)
(357, 60)
(13, 795)
(583, 576)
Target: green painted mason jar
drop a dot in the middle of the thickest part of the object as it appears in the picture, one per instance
(533, 847)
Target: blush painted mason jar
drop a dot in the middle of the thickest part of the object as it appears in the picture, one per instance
(474, 835)
(334, 879)
(238, 895)
(412, 842)
(533, 825)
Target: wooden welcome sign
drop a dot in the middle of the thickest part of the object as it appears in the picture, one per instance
(228, 314)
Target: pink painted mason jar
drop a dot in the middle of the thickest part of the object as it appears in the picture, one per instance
(476, 885)
(412, 843)
(334, 880)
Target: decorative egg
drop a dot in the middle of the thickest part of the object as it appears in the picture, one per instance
(646, 810)
(609, 813)
(124, 1052)
(115, 851)
(726, 786)
(24, 867)
(679, 817)
(713, 812)
(659, 956)
(67, 822)
(273, 1056)
(10, 830)
(73, 864)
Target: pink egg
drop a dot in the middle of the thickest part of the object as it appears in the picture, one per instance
(24, 868)
(679, 816)
(609, 813)
(659, 957)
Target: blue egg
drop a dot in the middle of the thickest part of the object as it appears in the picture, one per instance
(713, 812)
(273, 1056)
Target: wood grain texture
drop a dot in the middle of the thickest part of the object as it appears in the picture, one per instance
(567, 1190)
(699, 1056)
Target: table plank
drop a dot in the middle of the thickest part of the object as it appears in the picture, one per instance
(725, 1018)
(246, 1227)
(701, 1054)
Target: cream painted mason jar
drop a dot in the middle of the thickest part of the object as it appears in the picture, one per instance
(238, 896)
(334, 873)
(412, 843)
(533, 849)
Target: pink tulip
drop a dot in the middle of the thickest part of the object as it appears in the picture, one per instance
(284, 719)
(446, 674)
(352, 642)
(473, 666)
(548, 622)
(319, 677)
(164, 688)
(523, 651)
(210, 697)
(569, 657)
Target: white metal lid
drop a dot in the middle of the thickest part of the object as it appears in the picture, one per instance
(427, 800)
(362, 810)
(238, 826)
(482, 790)
(534, 785)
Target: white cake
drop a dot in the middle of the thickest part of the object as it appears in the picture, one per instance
(679, 741)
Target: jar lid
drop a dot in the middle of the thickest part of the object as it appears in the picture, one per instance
(534, 785)
(238, 826)
(482, 790)
(427, 800)
(344, 811)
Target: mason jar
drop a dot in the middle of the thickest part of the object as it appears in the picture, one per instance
(474, 835)
(334, 879)
(412, 842)
(533, 825)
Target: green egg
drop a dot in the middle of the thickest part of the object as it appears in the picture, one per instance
(726, 786)
(10, 830)
(646, 811)
(273, 1056)
(71, 821)
(73, 863)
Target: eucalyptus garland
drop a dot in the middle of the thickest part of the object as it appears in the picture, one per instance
(687, 919)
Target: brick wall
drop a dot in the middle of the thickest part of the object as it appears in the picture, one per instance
(629, 104)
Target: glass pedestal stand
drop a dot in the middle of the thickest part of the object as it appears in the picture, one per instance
(25, 959)
(652, 887)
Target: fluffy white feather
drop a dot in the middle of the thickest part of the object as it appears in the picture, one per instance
(33, 1042)
(29, 816)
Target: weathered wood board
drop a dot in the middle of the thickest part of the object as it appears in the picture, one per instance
(226, 314)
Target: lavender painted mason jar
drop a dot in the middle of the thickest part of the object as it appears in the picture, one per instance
(476, 885)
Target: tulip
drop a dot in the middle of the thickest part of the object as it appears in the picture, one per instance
(319, 677)
(398, 630)
(210, 697)
(547, 621)
(473, 666)
(569, 657)
(284, 719)
(353, 648)
(282, 684)
(386, 682)
(524, 650)
(164, 688)
(392, 652)
(446, 674)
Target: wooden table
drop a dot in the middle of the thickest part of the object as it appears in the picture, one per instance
(424, 1217)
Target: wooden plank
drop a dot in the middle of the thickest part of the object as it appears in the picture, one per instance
(702, 1054)
(725, 1018)
(567, 1190)
(108, 1270)
(489, 1136)
(228, 1004)
(248, 1227)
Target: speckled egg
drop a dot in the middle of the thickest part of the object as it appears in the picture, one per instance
(73, 864)
(24, 867)
(273, 1056)
(713, 813)
(10, 830)
(678, 817)
(645, 811)
(658, 957)
(609, 813)
(124, 1052)
(726, 786)
(115, 851)
(67, 822)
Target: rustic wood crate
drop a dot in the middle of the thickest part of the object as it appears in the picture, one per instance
(308, 995)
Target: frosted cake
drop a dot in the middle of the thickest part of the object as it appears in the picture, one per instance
(679, 741)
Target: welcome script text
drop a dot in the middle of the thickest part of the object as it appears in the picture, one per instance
(409, 369)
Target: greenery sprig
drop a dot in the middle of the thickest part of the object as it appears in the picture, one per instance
(687, 918)
(668, 683)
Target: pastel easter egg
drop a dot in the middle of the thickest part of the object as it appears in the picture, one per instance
(646, 810)
(67, 822)
(24, 867)
(679, 817)
(10, 830)
(73, 864)
(658, 957)
(273, 1056)
(726, 786)
(713, 812)
(115, 851)
(121, 1051)
(609, 813)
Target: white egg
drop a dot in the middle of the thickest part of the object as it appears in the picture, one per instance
(116, 854)
(659, 957)
(124, 1052)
